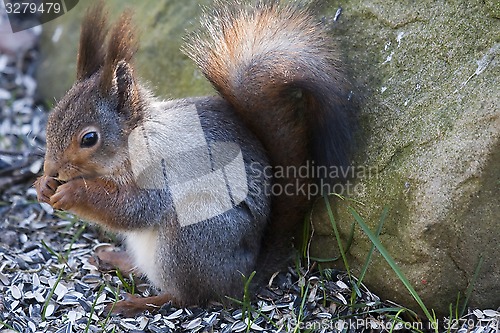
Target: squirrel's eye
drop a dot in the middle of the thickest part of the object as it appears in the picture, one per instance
(89, 139)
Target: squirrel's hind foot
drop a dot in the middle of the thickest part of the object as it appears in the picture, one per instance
(132, 305)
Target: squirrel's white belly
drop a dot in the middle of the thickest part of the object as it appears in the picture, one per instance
(141, 246)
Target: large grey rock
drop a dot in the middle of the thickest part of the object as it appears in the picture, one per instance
(426, 77)
(430, 148)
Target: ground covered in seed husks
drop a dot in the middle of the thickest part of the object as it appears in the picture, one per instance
(49, 282)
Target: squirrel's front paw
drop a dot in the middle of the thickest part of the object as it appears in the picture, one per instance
(45, 187)
(68, 195)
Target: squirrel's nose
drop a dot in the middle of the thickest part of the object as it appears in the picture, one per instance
(50, 169)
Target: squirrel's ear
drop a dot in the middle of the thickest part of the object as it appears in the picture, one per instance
(125, 88)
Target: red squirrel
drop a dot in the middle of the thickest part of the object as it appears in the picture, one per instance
(192, 184)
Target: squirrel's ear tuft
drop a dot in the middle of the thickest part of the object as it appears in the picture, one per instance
(91, 51)
(125, 87)
(122, 44)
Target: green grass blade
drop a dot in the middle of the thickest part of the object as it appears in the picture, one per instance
(246, 311)
(306, 237)
(116, 293)
(51, 251)
(301, 310)
(370, 253)
(322, 260)
(470, 288)
(369, 256)
(129, 287)
(8, 326)
(76, 236)
(391, 263)
(337, 235)
(51, 292)
(92, 309)
(395, 319)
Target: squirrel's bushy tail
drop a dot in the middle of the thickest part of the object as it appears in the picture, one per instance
(277, 66)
